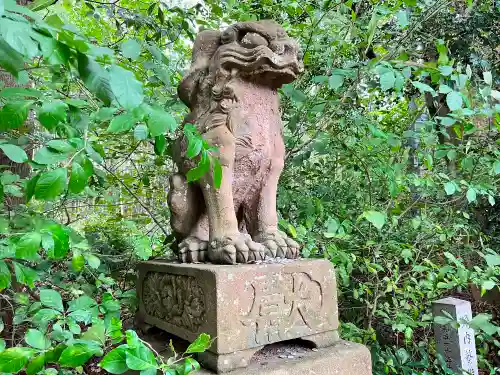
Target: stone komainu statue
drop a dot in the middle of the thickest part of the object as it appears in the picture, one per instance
(231, 89)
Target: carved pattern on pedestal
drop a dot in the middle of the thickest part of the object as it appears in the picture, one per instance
(285, 306)
(177, 299)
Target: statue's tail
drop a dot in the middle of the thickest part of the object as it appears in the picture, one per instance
(186, 204)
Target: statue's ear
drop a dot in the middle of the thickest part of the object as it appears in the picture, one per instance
(205, 45)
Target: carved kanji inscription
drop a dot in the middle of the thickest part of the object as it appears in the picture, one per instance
(284, 306)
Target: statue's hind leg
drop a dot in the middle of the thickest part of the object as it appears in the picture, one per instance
(188, 219)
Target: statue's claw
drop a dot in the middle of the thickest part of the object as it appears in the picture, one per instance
(279, 245)
(235, 249)
(193, 250)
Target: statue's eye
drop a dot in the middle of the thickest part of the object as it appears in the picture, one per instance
(252, 40)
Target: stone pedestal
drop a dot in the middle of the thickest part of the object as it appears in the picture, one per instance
(342, 358)
(244, 306)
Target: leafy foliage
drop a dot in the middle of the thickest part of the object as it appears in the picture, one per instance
(391, 172)
(65, 309)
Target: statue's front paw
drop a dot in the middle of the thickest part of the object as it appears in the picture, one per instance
(233, 249)
(193, 250)
(279, 245)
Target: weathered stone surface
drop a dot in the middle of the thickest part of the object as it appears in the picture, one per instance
(342, 358)
(456, 345)
(243, 306)
(231, 90)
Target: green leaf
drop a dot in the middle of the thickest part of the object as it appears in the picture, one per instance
(450, 188)
(81, 303)
(25, 275)
(5, 276)
(93, 261)
(444, 89)
(77, 354)
(298, 96)
(149, 371)
(4, 225)
(11, 60)
(482, 322)
(60, 241)
(195, 144)
(51, 184)
(199, 345)
(160, 144)
(372, 27)
(14, 114)
(78, 178)
(423, 87)
(447, 121)
(96, 79)
(43, 316)
(471, 194)
(52, 355)
(73, 326)
(115, 361)
(28, 246)
(18, 36)
(94, 155)
(467, 163)
(122, 123)
(446, 71)
(217, 173)
(40, 4)
(491, 200)
(13, 360)
(488, 284)
(83, 316)
(14, 153)
(378, 219)
(131, 49)
(454, 100)
(402, 18)
(492, 260)
(140, 358)
(36, 365)
(335, 81)
(126, 88)
(387, 80)
(496, 167)
(105, 114)
(2, 345)
(77, 262)
(54, 52)
(133, 340)
(159, 122)
(51, 298)
(190, 365)
(87, 166)
(60, 145)
(30, 187)
(195, 174)
(96, 333)
(51, 114)
(488, 78)
(141, 132)
(36, 339)
(46, 156)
